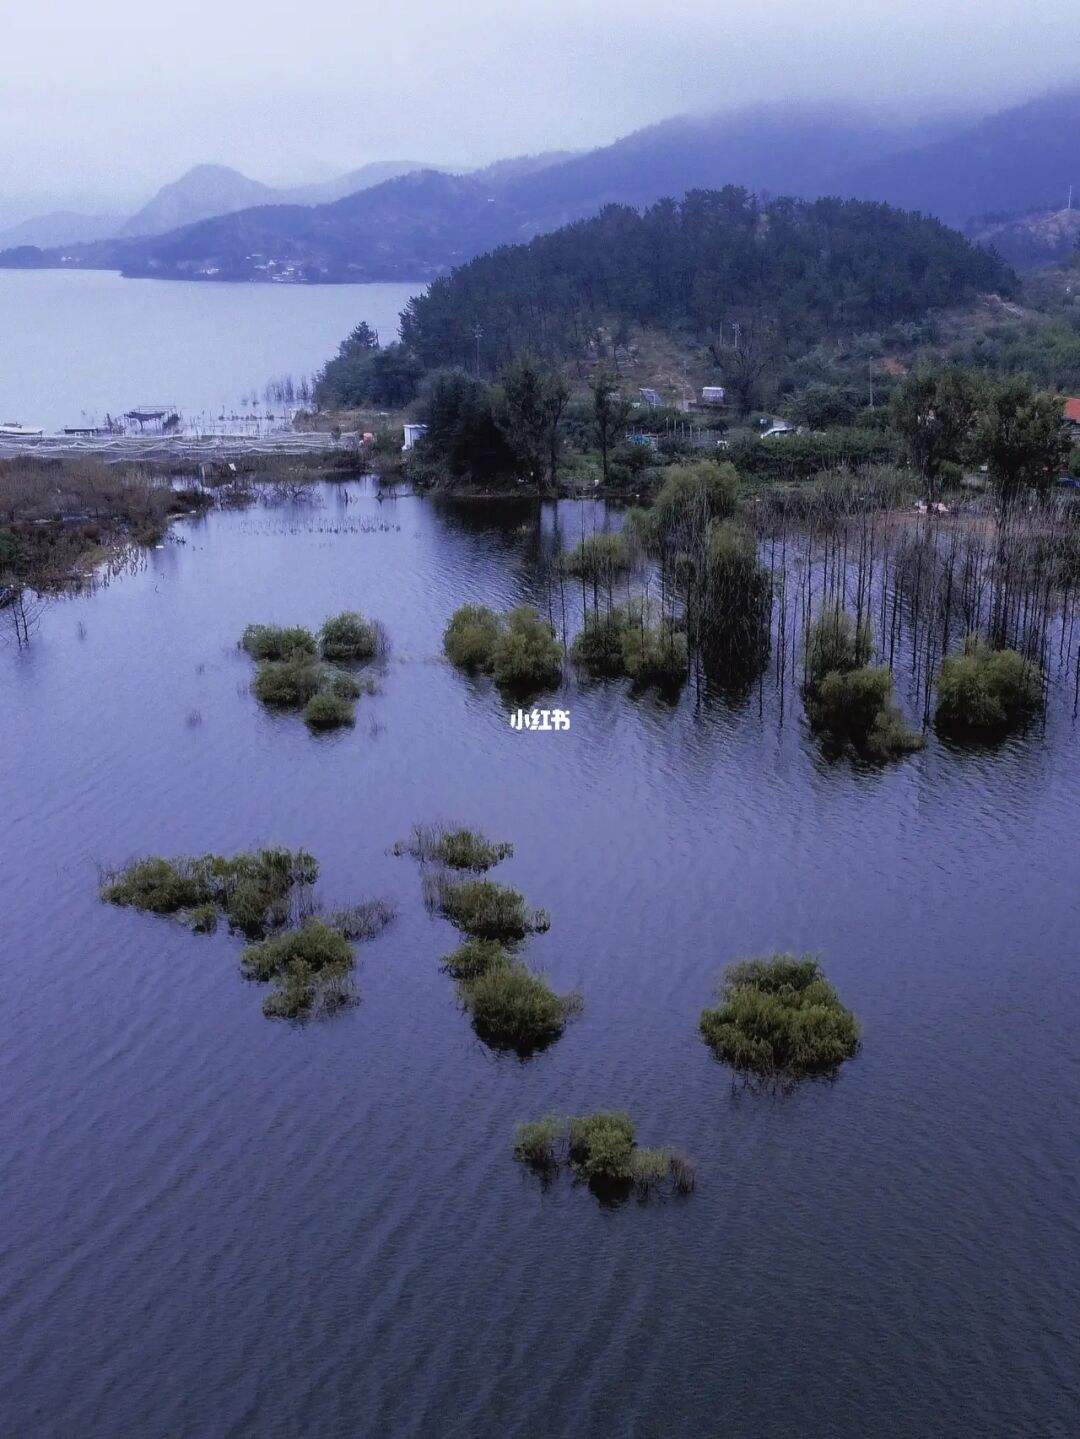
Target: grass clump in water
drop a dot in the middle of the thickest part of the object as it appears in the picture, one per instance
(535, 1141)
(364, 921)
(483, 909)
(326, 710)
(655, 654)
(288, 683)
(849, 701)
(519, 649)
(309, 966)
(349, 637)
(469, 638)
(475, 958)
(986, 692)
(779, 1019)
(603, 1150)
(599, 559)
(526, 656)
(598, 647)
(253, 891)
(457, 848)
(272, 642)
(513, 1008)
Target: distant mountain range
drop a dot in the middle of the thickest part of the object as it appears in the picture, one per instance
(418, 224)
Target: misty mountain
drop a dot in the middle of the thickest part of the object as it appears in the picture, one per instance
(201, 192)
(323, 192)
(1041, 237)
(60, 227)
(421, 224)
(1020, 158)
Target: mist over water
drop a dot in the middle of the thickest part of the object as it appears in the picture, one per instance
(219, 1225)
(78, 344)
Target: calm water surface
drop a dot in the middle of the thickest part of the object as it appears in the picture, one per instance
(75, 345)
(215, 1225)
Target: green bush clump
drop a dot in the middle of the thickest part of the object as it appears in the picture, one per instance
(271, 642)
(599, 559)
(365, 920)
(483, 909)
(526, 656)
(535, 1140)
(289, 683)
(327, 710)
(350, 637)
(475, 958)
(836, 643)
(458, 848)
(344, 687)
(252, 890)
(856, 708)
(985, 691)
(598, 648)
(779, 1019)
(656, 654)
(469, 638)
(850, 701)
(513, 1008)
(601, 1147)
(310, 966)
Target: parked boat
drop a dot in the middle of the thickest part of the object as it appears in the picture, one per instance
(12, 430)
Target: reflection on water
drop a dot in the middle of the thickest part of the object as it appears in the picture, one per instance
(220, 1225)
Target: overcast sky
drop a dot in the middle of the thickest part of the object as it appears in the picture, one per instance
(100, 96)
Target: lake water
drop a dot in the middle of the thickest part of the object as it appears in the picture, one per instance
(217, 1225)
(76, 345)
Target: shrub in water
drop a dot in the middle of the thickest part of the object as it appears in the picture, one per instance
(327, 710)
(310, 965)
(270, 642)
(475, 958)
(602, 1145)
(836, 643)
(350, 637)
(534, 1141)
(649, 1167)
(344, 687)
(364, 921)
(459, 848)
(780, 1018)
(469, 638)
(598, 648)
(655, 655)
(986, 691)
(484, 909)
(513, 1008)
(525, 656)
(857, 708)
(253, 890)
(599, 559)
(288, 684)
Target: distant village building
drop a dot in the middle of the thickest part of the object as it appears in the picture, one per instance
(713, 395)
(1072, 411)
(412, 434)
(651, 397)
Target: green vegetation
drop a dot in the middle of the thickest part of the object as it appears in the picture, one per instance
(602, 1149)
(817, 269)
(849, 701)
(779, 1019)
(328, 710)
(310, 967)
(483, 909)
(535, 1140)
(364, 920)
(363, 373)
(633, 641)
(474, 958)
(458, 848)
(513, 1008)
(519, 649)
(985, 691)
(350, 637)
(290, 675)
(599, 559)
(253, 891)
(271, 642)
(469, 638)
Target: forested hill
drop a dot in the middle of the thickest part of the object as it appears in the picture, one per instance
(803, 269)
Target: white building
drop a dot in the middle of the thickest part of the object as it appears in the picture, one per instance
(412, 434)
